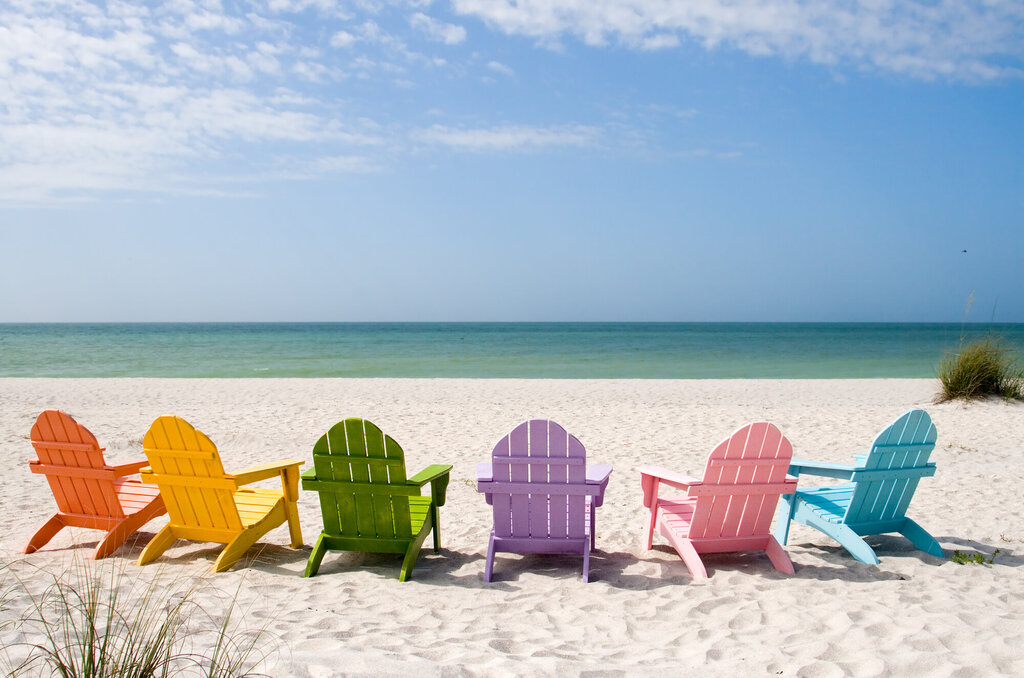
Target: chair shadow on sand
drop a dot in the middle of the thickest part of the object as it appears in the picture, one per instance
(969, 547)
(657, 568)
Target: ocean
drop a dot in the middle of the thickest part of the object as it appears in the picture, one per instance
(488, 350)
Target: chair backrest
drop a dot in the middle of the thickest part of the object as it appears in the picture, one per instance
(887, 480)
(360, 476)
(743, 479)
(187, 469)
(73, 463)
(539, 483)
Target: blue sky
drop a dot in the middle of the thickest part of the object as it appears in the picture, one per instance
(219, 160)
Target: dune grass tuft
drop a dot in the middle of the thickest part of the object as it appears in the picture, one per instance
(980, 369)
(97, 621)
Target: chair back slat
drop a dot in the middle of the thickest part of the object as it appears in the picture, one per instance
(892, 469)
(540, 491)
(743, 479)
(178, 455)
(353, 458)
(72, 460)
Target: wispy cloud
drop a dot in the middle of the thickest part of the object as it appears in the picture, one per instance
(104, 96)
(501, 68)
(449, 34)
(509, 137)
(129, 97)
(971, 40)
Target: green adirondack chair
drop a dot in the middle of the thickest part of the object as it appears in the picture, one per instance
(367, 502)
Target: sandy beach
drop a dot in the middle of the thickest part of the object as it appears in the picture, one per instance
(642, 612)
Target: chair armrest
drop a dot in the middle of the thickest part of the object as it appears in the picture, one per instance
(821, 468)
(309, 474)
(437, 475)
(252, 474)
(598, 474)
(680, 480)
(484, 475)
(130, 468)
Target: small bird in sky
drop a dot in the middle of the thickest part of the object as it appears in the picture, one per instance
(963, 251)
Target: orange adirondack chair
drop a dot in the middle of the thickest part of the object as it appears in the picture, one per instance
(732, 507)
(88, 492)
(207, 504)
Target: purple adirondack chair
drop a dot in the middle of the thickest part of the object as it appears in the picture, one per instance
(543, 493)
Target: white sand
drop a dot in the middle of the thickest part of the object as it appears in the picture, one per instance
(911, 615)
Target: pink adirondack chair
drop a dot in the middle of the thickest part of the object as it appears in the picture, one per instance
(89, 493)
(543, 493)
(732, 508)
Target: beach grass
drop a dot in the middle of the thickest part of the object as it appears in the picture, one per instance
(980, 369)
(95, 620)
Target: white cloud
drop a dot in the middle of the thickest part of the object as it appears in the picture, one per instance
(509, 137)
(329, 7)
(956, 39)
(499, 67)
(449, 34)
(343, 39)
(109, 97)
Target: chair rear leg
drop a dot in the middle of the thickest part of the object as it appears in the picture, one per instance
(45, 533)
(489, 564)
(316, 557)
(157, 545)
(237, 547)
(920, 538)
(851, 541)
(684, 547)
(413, 552)
(113, 539)
(778, 556)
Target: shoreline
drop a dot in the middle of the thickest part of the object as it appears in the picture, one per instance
(912, 613)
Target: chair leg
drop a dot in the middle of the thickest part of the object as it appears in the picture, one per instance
(787, 503)
(413, 552)
(852, 542)
(593, 525)
(437, 527)
(778, 556)
(45, 533)
(586, 562)
(920, 538)
(115, 537)
(237, 547)
(127, 527)
(489, 564)
(157, 545)
(290, 492)
(315, 558)
(291, 510)
(648, 537)
(684, 547)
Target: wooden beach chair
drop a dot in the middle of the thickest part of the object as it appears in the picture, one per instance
(89, 493)
(367, 503)
(207, 504)
(542, 492)
(731, 508)
(875, 502)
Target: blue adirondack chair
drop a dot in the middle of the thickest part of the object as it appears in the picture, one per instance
(883, 483)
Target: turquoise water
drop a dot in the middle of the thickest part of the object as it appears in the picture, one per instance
(532, 350)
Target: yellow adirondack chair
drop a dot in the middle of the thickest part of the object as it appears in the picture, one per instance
(207, 504)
